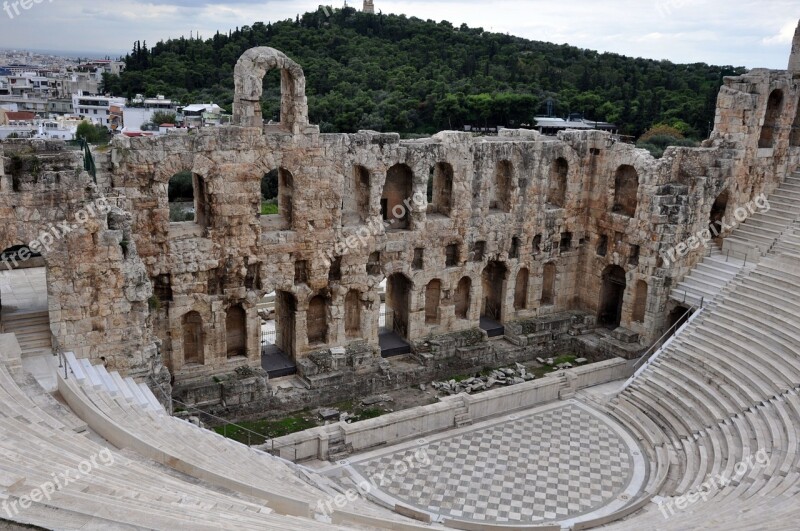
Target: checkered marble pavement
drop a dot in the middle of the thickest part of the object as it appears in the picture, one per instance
(548, 466)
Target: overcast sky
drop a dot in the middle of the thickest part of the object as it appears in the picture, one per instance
(754, 33)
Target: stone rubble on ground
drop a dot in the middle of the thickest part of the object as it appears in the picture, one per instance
(503, 376)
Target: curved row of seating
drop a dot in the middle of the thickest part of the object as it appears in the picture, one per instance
(93, 485)
(129, 416)
(724, 399)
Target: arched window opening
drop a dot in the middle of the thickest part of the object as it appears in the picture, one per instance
(397, 197)
(440, 198)
(769, 131)
(626, 189)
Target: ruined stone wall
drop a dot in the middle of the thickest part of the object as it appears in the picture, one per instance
(97, 288)
(518, 202)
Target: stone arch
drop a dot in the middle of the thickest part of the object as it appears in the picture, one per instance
(611, 296)
(352, 314)
(441, 193)
(640, 301)
(771, 118)
(557, 184)
(236, 331)
(548, 284)
(462, 297)
(396, 196)
(248, 77)
(521, 290)
(317, 320)
(626, 189)
(193, 339)
(433, 297)
(717, 213)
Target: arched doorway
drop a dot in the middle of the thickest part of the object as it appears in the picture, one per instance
(611, 296)
(398, 297)
(718, 213)
(492, 283)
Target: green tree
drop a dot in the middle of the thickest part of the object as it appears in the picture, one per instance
(164, 117)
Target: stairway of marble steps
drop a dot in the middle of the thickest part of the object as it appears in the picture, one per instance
(753, 238)
(727, 388)
(135, 411)
(759, 231)
(35, 445)
(32, 331)
(705, 281)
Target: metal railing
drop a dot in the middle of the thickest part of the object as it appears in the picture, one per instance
(225, 422)
(268, 337)
(661, 342)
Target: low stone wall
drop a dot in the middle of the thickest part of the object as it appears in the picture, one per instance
(424, 420)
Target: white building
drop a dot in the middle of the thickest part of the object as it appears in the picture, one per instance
(96, 109)
(141, 111)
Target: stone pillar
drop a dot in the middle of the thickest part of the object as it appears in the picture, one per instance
(794, 58)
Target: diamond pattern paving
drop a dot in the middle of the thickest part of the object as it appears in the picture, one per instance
(547, 466)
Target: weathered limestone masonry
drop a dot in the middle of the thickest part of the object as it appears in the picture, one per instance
(546, 235)
(97, 286)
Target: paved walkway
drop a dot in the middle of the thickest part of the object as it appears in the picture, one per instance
(552, 463)
(23, 290)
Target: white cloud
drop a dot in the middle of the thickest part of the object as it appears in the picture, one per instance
(784, 36)
(743, 33)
